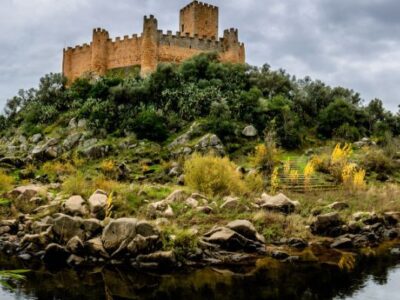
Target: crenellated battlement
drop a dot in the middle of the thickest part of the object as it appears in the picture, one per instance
(198, 32)
(84, 46)
(187, 41)
(199, 4)
(126, 38)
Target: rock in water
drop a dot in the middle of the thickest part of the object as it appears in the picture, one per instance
(117, 232)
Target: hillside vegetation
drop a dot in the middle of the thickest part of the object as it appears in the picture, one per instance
(201, 144)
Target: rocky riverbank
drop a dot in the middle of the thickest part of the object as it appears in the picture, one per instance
(79, 233)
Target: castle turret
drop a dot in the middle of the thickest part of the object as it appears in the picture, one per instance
(234, 51)
(67, 63)
(99, 51)
(199, 18)
(150, 44)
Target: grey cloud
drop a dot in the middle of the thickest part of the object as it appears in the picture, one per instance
(350, 43)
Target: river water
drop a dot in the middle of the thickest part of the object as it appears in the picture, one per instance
(377, 278)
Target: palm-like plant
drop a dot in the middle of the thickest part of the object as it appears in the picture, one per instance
(11, 275)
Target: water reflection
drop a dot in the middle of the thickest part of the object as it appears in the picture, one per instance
(375, 278)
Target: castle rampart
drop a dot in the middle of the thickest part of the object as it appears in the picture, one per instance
(199, 34)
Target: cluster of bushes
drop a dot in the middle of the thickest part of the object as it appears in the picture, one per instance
(226, 96)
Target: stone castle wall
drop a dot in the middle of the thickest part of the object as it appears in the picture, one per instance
(154, 46)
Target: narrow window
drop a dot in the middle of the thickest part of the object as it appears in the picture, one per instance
(183, 28)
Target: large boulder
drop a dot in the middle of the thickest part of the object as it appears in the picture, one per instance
(146, 229)
(95, 248)
(118, 231)
(232, 203)
(96, 151)
(36, 138)
(67, 227)
(144, 245)
(24, 197)
(48, 150)
(76, 206)
(244, 227)
(249, 131)
(279, 203)
(75, 245)
(327, 225)
(176, 196)
(227, 239)
(97, 204)
(27, 192)
(210, 143)
(72, 141)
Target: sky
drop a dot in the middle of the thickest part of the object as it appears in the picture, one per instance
(351, 43)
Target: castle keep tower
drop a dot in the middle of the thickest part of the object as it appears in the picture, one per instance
(199, 33)
(199, 18)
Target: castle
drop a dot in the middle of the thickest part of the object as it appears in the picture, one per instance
(198, 33)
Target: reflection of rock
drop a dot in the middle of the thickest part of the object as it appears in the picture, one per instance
(161, 259)
(55, 255)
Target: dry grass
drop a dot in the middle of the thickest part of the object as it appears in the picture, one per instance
(56, 169)
(6, 182)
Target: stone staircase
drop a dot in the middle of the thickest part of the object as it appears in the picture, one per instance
(316, 182)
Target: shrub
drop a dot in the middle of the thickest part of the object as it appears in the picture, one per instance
(274, 180)
(265, 157)
(6, 182)
(213, 175)
(375, 160)
(150, 125)
(254, 182)
(339, 159)
(108, 167)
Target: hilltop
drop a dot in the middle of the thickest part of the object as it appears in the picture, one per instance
(268, 158)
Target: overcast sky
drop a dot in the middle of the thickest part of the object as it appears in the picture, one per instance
(352, 43)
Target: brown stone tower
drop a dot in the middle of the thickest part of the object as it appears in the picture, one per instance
(199, 34)
(99, 51)
(199, 18)
(150, 45)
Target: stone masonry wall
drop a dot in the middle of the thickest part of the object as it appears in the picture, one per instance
(153, 46)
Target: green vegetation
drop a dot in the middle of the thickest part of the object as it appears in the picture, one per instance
(303, 147)
(226, 96)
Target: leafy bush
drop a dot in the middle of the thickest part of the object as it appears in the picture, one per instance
(213, 175)
(254, 182)
(375, 160)
(265, 155)
(150, 125)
